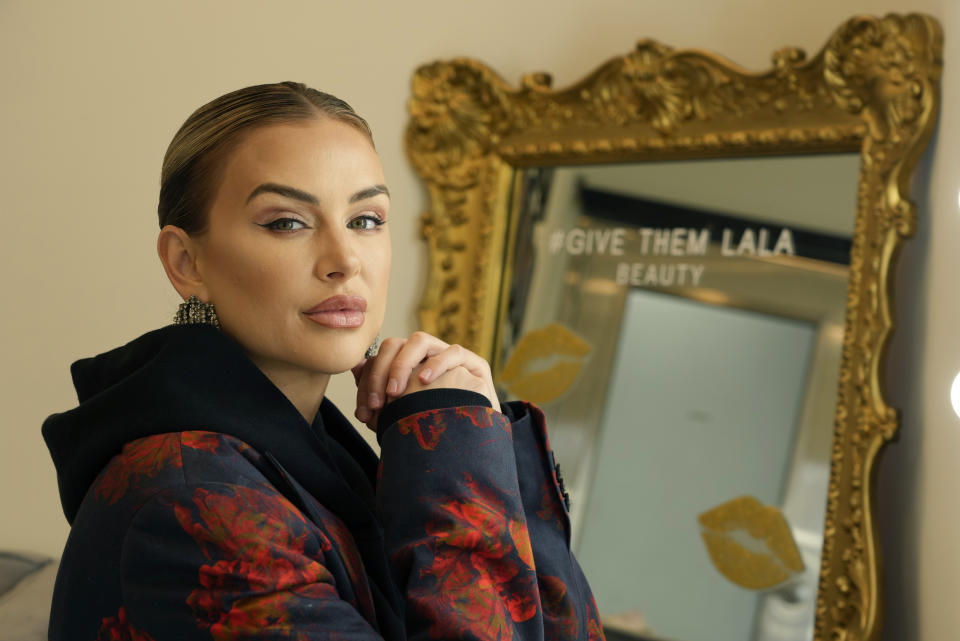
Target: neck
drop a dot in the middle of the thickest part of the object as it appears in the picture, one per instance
(304, 389)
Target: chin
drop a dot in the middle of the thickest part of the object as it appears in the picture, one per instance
(339, 366)
(334, 359)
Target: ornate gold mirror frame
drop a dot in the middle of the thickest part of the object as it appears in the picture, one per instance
(873, 88)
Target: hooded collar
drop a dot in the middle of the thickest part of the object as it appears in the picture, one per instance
(194, 377)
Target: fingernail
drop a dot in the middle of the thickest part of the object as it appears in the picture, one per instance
(425, 375)
(392, 386)
(363, 414)
(374, 400)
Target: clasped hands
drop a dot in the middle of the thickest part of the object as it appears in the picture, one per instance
(407, 365)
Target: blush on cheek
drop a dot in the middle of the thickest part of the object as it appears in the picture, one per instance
(255, 275)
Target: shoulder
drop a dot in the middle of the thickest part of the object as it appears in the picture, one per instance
(169, 505)
(159, 462)
(208, 554)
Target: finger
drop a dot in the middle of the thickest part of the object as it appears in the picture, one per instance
(357, 371)
(375, 383)
(458, 356)
(418, 347)
(372, 423)
(360, 373)
(364, 410)
(453, 356)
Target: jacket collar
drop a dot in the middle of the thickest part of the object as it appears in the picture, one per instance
(194, 377)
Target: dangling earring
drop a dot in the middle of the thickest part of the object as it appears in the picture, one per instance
(196, 312)
(372, 350)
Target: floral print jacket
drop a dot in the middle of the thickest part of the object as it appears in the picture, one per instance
(203, 506)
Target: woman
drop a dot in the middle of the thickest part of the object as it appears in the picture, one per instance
(212, 490)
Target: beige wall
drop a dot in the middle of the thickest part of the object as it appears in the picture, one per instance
(92, 92)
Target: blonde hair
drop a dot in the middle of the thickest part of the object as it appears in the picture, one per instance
(191, 166)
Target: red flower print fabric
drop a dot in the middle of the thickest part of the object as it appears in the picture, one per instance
(428, 427)
(594, 627)
(337, 537)
(117, 629)
(481, 569)
(558, 608)
(254, 544)
(472, 526)
(145, 458)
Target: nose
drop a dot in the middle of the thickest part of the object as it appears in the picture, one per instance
(337, 258)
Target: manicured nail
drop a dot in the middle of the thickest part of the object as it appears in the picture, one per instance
(374, 400)
(392, 386)
(363, 414)
(425, 375)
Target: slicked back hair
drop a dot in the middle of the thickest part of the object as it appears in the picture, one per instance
(192, 166)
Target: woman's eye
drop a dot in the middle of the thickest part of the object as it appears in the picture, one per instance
(285, 224)
(366, 222)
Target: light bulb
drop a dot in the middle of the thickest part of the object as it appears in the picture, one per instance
(955, 394)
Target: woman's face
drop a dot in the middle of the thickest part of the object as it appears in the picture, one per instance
(296, 255)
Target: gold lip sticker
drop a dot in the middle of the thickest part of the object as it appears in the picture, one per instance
(544, 363)
(750, 543)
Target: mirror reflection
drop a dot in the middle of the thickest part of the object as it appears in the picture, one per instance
(681, 323)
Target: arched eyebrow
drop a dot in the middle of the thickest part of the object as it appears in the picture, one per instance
(370, 192)
(298, 194)
(283, 190)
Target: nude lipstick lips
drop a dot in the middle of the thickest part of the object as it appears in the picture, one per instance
(339, 312)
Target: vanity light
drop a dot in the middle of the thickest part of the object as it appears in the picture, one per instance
(955, 394)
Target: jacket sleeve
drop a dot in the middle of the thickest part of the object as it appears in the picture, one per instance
(227, 561)
(476, 524)
(569, 609)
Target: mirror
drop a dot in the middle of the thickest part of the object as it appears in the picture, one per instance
(687, 266)
(685, 346)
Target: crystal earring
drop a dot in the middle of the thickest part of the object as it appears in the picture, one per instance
(196, 312)
(372, 350)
